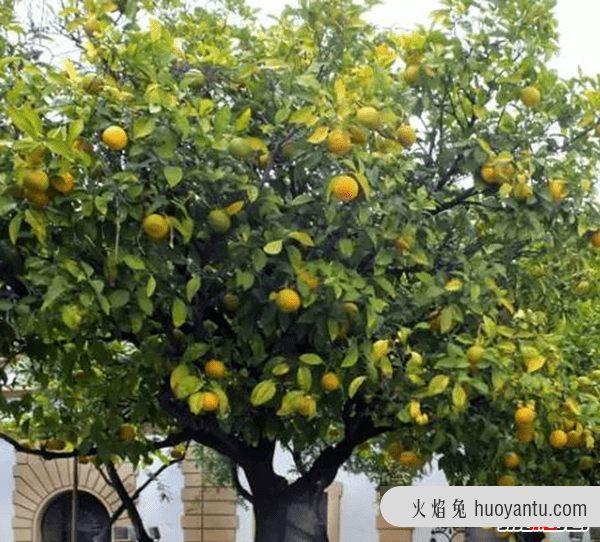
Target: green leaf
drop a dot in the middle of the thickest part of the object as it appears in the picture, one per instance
(192, 287)
(263, 392)
(281, 369)
(222, 119)
(71, 316)
(155, 30)
(223, 399)
(346, 247)
(274, 247)
(75, 129)
(104, 304)
(302, 238)
(57, 288)
(178, 312)
(259, 260)
(386, 286)
(244, 279)
(60, 147)
(193, 352)
(243, 120)
(173, 175)
(354, 385)
(118, 298)
(304, 378)
(37, 223)
(288, 402)
(459, 398)
(26, 120)
(151, 286)
(311, 359)
(351, 357)
(143, 127)
(446, 319)
(438, 384)
(14, 227)
(134, 263)
(189, 384)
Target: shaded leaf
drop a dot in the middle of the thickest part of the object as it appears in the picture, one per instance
(178, 312)
(438, 384)
(274, 247)
(311, 359)
(354, 385)
(263, 392)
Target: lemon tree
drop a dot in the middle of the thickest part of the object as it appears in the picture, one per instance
(405, 312)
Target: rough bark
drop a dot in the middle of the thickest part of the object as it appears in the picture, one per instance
(298, 518)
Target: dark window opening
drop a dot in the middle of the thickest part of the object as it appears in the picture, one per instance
(92, 517)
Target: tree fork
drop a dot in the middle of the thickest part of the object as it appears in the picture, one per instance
(132, 511)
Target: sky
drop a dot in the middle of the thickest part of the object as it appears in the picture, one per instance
(579, 40)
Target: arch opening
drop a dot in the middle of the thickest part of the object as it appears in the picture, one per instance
(92, 517)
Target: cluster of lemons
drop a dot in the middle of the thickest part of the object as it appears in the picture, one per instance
(502, 171)
(339, 142)
(38, 186)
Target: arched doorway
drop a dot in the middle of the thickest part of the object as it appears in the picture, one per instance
(56, 521)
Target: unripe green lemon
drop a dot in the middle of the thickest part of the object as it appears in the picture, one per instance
(219, 221)
(239, 148)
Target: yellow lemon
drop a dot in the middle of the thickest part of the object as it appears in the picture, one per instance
(507, 480)
(156, 227)
(369, 116)
(474, 354)
(344, 188)
(557, 189)
(36, 180)
(409, 459)
(558, 439)
(511, 460)
(524, 415)
(381, 348)
(115, 138)
(210, 401)
(215, 369)
(330, 381)
(338, 142)
(64, 184)
(406, 136)
(288, 300)
(530, 96)
(127, 432)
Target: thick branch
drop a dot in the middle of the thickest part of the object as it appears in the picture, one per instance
(42, 453)
(466, 194)
(115, 515)
(238, 485)
(174, 439)
(132, 511)
(359, 427)
(205, 429)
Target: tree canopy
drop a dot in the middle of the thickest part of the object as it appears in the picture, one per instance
(355, 242)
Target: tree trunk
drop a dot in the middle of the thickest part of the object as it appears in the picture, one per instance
(299, 518)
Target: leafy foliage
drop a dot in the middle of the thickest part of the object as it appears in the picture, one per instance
(434, 256)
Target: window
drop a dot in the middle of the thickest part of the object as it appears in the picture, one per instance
(92, 517)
